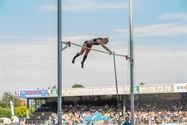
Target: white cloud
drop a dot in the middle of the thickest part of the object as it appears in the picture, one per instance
(77, 39)
(94, 6)
(26, 64)
(154, 65)
(34, 65)
(178, 16)
(10, 37)
(78, 6)
(48, 7)
(163, 29)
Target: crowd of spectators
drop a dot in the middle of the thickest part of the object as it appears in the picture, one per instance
(145, 114)
(152, 111)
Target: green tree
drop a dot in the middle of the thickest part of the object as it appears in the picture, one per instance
(76, 85)
(21, 111)
(5, 112)
(6, 98)
(1, 121)
(17, 102)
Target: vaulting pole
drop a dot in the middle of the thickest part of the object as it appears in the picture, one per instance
(59, 62)
(131, 59)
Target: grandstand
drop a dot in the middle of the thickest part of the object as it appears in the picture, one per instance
(156, 103)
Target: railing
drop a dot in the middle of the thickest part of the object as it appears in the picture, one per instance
(35, 123)
(48, 122)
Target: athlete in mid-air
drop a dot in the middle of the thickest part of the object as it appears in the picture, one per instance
(87, 48)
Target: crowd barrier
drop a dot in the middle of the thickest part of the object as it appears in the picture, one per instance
(42, 122)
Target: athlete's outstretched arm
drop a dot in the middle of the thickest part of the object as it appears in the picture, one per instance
(105, 47)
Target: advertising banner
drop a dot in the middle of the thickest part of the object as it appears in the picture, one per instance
(181, 87)
(136, 89)
(33, 93)
(146, 89)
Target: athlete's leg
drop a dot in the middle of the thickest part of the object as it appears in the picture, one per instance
(80, 53)
(85, 56)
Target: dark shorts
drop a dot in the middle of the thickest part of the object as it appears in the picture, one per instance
(87, 45)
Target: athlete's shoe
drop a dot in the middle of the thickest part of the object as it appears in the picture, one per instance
(73, 61)
(82, 64)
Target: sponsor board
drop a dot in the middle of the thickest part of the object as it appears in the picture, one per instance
(181, 87)
(144, 89)
(33, 93)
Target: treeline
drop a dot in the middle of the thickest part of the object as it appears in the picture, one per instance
(19, 106)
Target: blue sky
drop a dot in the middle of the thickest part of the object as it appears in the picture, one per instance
(24, 19)
(37, 18)
(28, 41)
